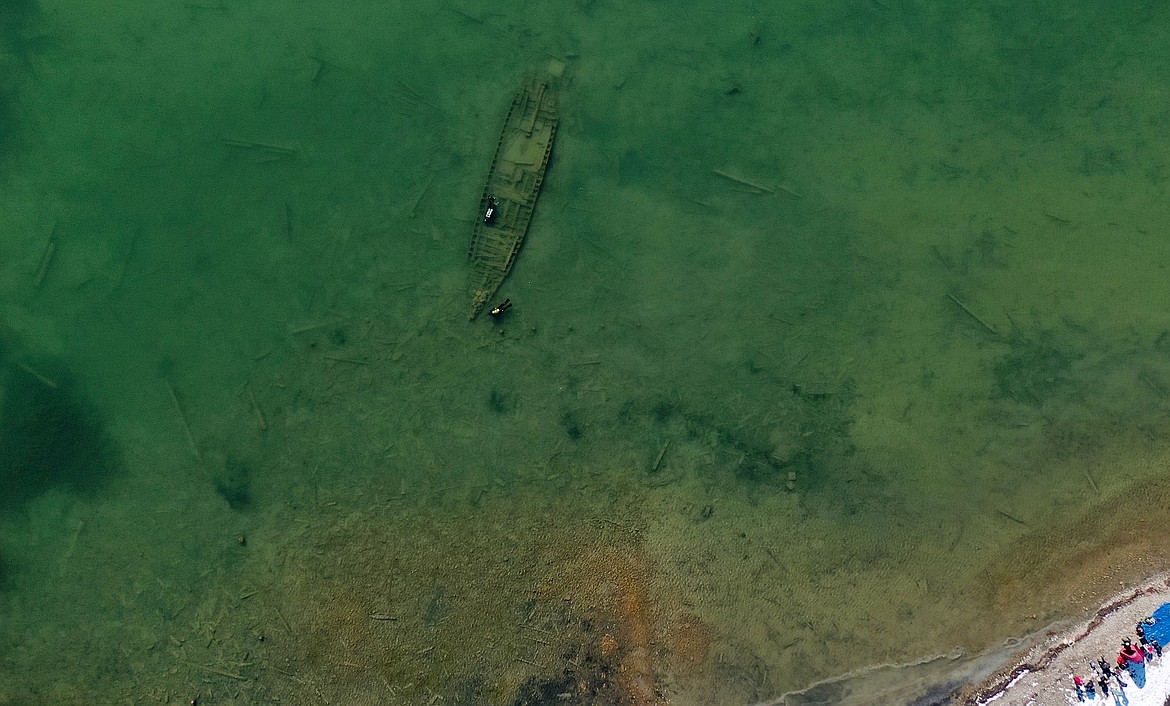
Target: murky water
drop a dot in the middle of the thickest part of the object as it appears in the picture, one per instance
(840, 338)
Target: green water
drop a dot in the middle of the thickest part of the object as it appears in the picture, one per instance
(252, 450)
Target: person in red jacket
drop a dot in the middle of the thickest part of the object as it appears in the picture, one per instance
(1129, 653)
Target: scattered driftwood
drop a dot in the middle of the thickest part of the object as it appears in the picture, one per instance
(972, 314)
(41, 377)
(46, 257)
(746, 182)
(661, 454)
(279, 150)
(261, 420)
(1011, 517)
(183, 420)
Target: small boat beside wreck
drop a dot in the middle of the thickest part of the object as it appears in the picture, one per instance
(513, 184)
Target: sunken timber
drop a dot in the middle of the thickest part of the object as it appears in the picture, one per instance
(513, 183)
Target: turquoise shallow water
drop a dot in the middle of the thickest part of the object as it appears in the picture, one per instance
(729, 441)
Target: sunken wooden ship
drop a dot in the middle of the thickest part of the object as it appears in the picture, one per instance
(513, 184)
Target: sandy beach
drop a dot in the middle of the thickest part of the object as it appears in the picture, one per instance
(1042, 676)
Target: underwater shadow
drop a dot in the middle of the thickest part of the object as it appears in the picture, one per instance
(20, 39)
(17, 20)
(49, 436)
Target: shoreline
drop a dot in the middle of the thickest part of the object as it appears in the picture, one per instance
(1030, 671)
(1059, 648)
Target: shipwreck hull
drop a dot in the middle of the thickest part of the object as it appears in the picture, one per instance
(512, 187)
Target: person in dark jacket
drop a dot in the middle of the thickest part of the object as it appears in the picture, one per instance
(1141, 635)
(1105, 669)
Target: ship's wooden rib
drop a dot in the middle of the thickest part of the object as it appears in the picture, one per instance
(513, 184)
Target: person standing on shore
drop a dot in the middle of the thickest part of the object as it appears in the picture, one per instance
(1131, 653)
(1105, 669)
(1080, 687)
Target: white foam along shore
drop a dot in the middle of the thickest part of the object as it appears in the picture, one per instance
(1042, 676)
